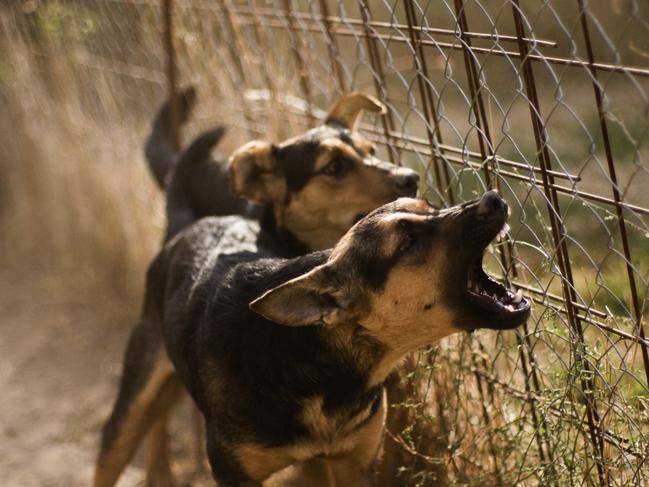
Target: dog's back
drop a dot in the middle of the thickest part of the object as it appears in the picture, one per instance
(211, 272)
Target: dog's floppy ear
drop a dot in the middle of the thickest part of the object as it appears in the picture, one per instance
(306, 300)
(255, 173)
(347, 109)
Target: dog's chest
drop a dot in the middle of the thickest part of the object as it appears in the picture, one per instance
(332, 433)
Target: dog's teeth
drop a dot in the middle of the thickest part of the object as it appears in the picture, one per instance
(518, 297)
(509, 307)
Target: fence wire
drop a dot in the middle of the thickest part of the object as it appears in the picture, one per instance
(546, 101)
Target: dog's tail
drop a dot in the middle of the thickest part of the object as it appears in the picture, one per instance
(196, 186)
(160, 151)
(200, 149)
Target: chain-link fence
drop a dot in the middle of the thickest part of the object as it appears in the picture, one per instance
(547, 101)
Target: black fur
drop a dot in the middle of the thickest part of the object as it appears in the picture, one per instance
(298, 159)
(371, 262)
(189, 195)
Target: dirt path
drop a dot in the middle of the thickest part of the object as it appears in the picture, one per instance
(59, 365)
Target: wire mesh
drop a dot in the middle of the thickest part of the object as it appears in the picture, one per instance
(545, 101)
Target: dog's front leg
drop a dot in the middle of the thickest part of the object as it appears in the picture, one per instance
(312, 473)
(244, 465)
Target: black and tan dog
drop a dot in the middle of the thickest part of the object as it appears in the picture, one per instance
(287, 358)
(310, 190)
(312, 187)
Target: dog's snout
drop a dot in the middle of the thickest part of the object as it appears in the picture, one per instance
(407, 181)
(492, 203)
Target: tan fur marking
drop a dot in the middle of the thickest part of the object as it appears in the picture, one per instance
(158, 467)
(312, 473)
(260, 463)
(361, 445)
(425, 320)
(351, 469)
(333, 147)
(253, 173)
(392, 237)
(328, 428)
(321, 213)
(136, 422)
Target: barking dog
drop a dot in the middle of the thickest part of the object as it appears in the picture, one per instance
(311, 189)
(287, 358)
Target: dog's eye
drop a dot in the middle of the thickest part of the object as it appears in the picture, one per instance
(409, 238)
(407, 242)
(334, 168)
(372, 150)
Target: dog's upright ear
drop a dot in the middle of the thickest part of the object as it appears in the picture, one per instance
(315, 298)
(347, 109)
(255, 173)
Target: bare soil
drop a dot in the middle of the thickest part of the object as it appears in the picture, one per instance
(60, 360)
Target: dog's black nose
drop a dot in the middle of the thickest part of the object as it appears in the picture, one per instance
(491, 202)
(407, 180)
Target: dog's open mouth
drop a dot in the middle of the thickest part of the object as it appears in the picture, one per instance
(500, 307)
(492, 295)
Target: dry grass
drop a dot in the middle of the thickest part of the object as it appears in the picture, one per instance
(76, 198)
(80, 219)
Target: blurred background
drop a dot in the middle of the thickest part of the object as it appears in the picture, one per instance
(546, 101)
